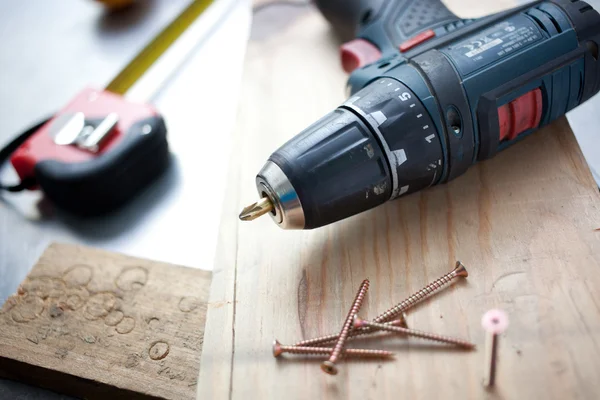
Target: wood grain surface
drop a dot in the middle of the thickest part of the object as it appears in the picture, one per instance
(524, 223)
(101, 325)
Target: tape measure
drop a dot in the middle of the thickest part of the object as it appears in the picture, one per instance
(153, 50)
(100, 150)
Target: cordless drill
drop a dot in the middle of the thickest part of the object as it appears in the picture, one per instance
(430, 95)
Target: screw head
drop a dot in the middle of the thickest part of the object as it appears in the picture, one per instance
(460, 270)
(329, 368)
(277, 351)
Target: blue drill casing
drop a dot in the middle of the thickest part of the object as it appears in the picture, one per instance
(443, 94)
(553, 57)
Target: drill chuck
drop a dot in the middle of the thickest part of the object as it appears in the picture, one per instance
(333, 169)
(285, 206)
(378, 145)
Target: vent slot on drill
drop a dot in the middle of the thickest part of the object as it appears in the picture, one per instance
(552, 19)
(545, 21)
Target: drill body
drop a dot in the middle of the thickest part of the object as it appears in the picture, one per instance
(430, 95)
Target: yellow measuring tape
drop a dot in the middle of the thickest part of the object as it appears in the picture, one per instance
(153, 50)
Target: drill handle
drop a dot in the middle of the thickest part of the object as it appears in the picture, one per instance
(388, 23)
(346, 16)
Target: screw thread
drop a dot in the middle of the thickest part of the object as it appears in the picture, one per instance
(339, 345)
(360, 353)
(393, 312)
(420, 334)
(354, 333)
(416, 298)
(321, 340)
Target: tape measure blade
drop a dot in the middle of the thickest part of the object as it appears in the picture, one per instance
(157, 47)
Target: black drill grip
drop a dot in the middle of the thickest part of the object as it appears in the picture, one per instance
(346, 16)
(337, 168)
(400, 19)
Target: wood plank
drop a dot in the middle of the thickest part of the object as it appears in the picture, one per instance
(524, 223)
(96, 324)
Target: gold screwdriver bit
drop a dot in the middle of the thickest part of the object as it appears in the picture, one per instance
(257, 209)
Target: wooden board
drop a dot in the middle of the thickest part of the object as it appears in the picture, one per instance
(524, 223)
(102, 325)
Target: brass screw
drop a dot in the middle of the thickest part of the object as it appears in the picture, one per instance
(494, 322)
(330, 338)
(279, 349)
(329, 365)
(361, 323)
(458, 271)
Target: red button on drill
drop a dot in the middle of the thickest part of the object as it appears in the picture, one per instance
(358, 53)
(520, 115)
(417, 40)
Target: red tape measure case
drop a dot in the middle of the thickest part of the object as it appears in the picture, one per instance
(95, 154)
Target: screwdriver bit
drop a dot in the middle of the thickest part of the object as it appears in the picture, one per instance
(255, 210)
